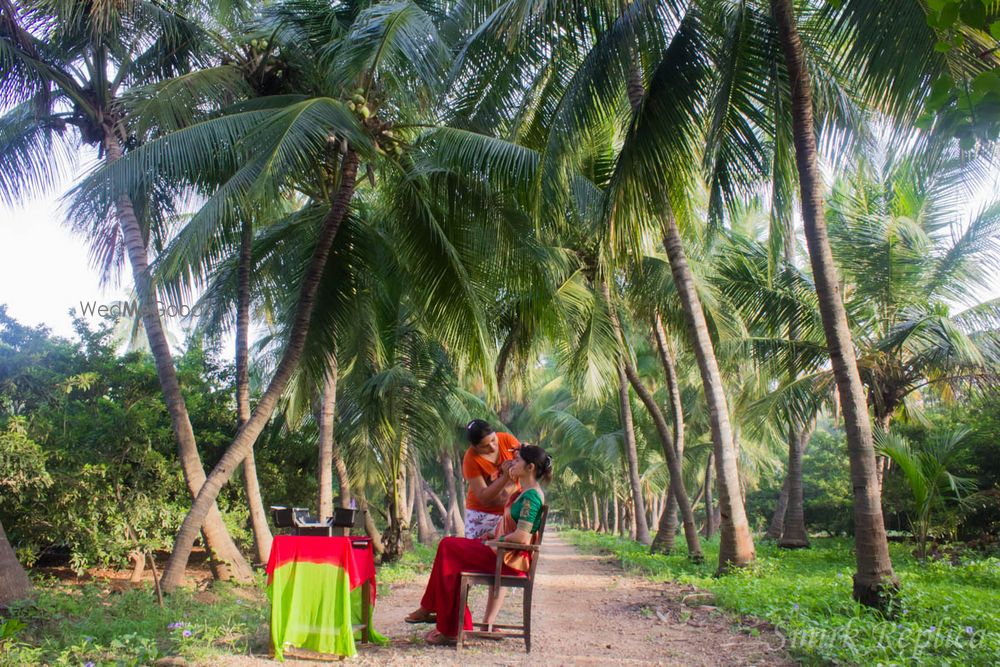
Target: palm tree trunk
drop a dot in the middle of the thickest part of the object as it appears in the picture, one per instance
(258, 518)
(668, 524)
(777, 525)
(709, 504)
(632, 458)
(503, 359)
(883, 418)
(438, 504)
(397, 527)
(397, 536)
(460, 484)
(874, 581)
(457, 526)
(410, 494)
(226, 560)
(794, 534)
(343, 482)
(673, 386)
(327, 411)
(426, 533)
(247, 435)
(736, 547)
(371, 530)
(14, 582)
(600, 527)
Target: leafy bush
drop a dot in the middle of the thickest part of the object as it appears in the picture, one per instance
(88, 461)
(949, 615)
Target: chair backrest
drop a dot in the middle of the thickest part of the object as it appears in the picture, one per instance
(537, 541)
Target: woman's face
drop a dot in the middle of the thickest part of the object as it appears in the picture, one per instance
(519, 467)
(487, 445)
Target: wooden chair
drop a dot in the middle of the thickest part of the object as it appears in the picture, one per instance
(498, 580)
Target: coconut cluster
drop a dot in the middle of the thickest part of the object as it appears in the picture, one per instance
(385, 141)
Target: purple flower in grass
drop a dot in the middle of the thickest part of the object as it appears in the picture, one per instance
(795, 607)
(969, 630)
(89, 663)
(186, 633)
(933, 628)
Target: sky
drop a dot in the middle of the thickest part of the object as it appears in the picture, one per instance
(45, 271)
(44, 268)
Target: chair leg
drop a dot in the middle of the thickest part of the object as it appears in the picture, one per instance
(526, 619)
(463, 600)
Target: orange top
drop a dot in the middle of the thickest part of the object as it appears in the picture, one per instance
(474, 465)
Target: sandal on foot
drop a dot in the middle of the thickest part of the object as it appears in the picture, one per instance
(435, 638)
(421, 616)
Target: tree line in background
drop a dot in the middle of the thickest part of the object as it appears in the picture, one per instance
(579, 214)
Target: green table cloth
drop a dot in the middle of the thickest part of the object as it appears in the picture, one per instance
(315, 585)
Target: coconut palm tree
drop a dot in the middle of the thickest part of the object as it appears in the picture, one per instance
(874, 580)
(65, 67)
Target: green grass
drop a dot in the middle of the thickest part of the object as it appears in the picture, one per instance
(949, 615)
(82, 624)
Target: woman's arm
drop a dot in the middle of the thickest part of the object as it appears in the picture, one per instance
(530, 508)
(489, 494)
(518, 537)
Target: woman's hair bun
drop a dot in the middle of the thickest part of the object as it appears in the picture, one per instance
(537, 457)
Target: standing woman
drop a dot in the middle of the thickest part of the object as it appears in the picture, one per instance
(521, 521)
(483, 468)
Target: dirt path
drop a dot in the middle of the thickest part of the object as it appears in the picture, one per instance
(585, 613)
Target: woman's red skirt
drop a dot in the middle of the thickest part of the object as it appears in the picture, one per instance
(454, 556)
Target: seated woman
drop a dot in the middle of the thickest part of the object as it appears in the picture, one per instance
(522, 519)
